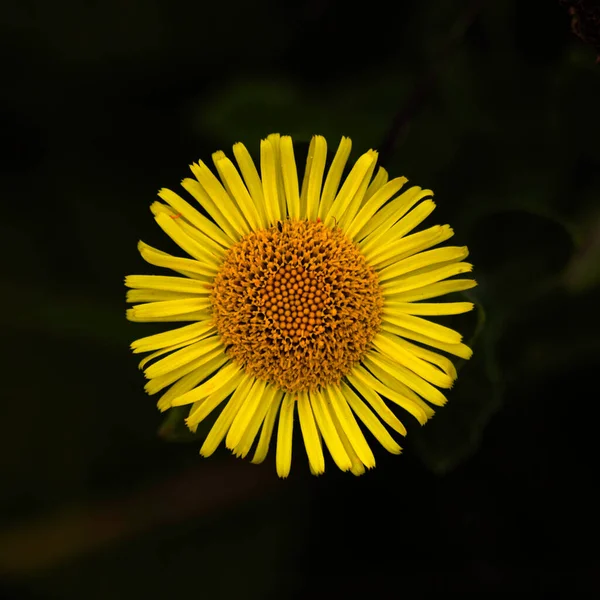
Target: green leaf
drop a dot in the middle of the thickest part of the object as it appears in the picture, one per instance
(248, 110)
(519, 258)
(517, 255)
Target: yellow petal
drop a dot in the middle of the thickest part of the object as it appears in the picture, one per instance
(393, 347)
(283, 454)
(215, 250)
(334, 176)
(275, 140)
(423, 259)
(184, 241)
(350, 427)
(357, 198)
(193, 187)
(184, 356)
(168, 308)
(405, 402)
(310, 433)
(237, 190)
(201, 409)
(251, 179)
(191, 380)
(460, 350)
(429, 309)
(412, 282)
(412, 244)
(409, 378)
(208, 387)
(445, 364)
(210, 234)
(378, 182)
(349, 188)
(386, 378)
(244, 416)
(356, 466)
(373, 204)
(329, 432)
(173, 284)
(370, 420)
(267, 429)
(224, 420)
(377, 404)
(220, 198)
(247, 439)
(290, 177)
(433, 290)
(425, 327)
(384, 219)
(138, 296)
(313, 178)
(181, 265)
(167, 349)
(196, 315)
(377, 251)
(429, 356)
(162, 381)
(269, 182)
(173, 336)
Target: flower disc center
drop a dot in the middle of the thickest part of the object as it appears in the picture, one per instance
(297, 304)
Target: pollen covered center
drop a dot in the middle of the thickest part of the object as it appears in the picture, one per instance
(297, 304)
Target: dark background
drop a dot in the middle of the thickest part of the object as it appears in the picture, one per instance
(493, 105)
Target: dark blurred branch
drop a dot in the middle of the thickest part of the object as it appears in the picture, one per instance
(205, 490)
(423, 88)
(585, 21)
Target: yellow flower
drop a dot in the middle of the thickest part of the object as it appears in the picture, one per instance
(300, 298)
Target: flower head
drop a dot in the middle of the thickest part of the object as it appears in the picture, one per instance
(300, 299)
